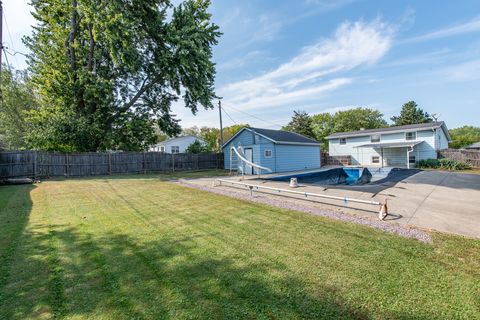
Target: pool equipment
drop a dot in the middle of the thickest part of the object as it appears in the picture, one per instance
(293, 182)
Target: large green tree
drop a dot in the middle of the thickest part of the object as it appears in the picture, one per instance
(18, 98)
(324, 124)
(411, 114)
(464, 136)
(107, 71)
(301, 123)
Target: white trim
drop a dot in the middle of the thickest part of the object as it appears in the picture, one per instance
(298, 143)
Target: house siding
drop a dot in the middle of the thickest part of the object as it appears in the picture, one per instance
(391, 156)
(294, 157)
(182, 142)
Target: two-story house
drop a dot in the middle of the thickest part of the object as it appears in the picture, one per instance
(399, 146)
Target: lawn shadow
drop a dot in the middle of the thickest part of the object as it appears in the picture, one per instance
(54, 271)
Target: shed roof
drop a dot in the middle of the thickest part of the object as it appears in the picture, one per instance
(409, 127)
(278, 136)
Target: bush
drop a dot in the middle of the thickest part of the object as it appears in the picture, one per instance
(197, 147)
(445, 164)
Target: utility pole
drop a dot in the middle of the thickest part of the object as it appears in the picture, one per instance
(1, 47)
(221, 125)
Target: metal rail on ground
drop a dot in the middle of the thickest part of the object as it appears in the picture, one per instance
(383, 211)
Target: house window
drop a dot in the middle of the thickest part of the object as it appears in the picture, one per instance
(411, 159)
(375, 159)
(162, 148)
(343, 140)
(375, 138)
(175, 149)
(410, 136)
(268, 153)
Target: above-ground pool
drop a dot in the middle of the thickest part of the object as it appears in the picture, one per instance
(349, 176)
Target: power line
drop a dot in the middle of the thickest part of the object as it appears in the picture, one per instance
(229, 115)
(253, 116)
(11, 39)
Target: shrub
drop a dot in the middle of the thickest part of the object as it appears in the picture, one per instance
(445, 164)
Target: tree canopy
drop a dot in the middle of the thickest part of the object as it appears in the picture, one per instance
(464, 136)
(411, 114)
(196, 147)
(108, 71)
(18, 98)
(321, 125)
(301, 123)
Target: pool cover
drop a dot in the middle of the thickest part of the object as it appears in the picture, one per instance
(337, 176)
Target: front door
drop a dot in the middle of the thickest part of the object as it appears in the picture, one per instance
(249, 157)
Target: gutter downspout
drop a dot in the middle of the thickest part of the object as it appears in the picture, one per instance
(409, 150)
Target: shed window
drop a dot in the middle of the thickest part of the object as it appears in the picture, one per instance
(411, 159)
(268, 153)
(175, 149)
(343, 140)
(410, 135)
(162, 148)
(375, 159)
(375, 138)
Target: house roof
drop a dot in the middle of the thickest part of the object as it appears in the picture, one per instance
(406, 128)
(178, 139)
(278, 136)
(475, 145)
(388, 145)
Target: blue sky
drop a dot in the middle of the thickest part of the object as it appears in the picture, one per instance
(324, 56)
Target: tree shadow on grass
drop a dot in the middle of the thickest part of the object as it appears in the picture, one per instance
(50, 270)
(118, 276)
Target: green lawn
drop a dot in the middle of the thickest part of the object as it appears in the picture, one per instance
(140, 247)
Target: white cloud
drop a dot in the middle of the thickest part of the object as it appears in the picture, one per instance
(303, 78)
(467, 27)
(466, 71)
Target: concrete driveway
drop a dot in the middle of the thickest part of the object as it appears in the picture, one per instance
(436, 200)
(443, 201)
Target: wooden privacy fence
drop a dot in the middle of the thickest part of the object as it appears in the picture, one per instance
(40, 164)
(469, 156)
(327, 160)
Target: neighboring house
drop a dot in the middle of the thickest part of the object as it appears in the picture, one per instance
(399, 146)
(175, 145)
(278, 150)
(473, 146)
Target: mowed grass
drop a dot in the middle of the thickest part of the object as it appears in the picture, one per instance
(145, 248)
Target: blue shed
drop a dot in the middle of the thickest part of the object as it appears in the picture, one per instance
(277, 150)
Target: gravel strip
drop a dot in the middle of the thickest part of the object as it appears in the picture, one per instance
(394, 228)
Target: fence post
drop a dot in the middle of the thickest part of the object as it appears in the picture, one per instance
(66, 164)
(173, 162)
(109, 164)
(144, 164)
(35, 165)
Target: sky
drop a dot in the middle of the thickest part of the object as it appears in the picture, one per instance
(277, 56)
